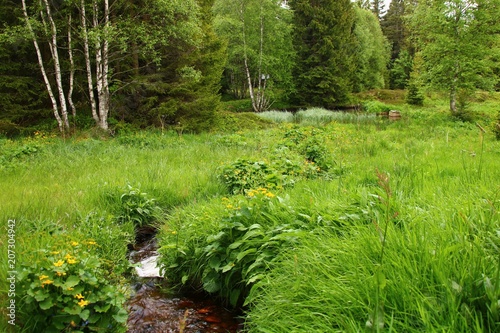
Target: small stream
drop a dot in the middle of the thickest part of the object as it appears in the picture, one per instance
(152, 310)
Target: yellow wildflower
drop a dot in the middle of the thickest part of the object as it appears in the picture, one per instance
(79, 296)
(71, 261)
(60, 273)
(43, 277)
(70, 288)
(68, 256)
(73, 243)
(270, 195)
(82, 303)
(59, 263)
(91, 243)
(47, 282)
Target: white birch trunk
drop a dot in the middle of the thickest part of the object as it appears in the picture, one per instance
(260, 92)
(245, 58)
(57, 67)
(86, 50)
(98, 61)
(101, 59)
(48, 86)
(104, 101)
(71, 71)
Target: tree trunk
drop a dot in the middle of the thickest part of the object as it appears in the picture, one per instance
(71, 71)
(90, 81)
(453, 90)
(104, 99)
(48, 86)
(245, 59)
(101, 59)
(57, 66)
(453, 100)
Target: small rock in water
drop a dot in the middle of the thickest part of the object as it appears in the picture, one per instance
(148, 267)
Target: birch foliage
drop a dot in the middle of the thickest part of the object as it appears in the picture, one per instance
(456, 40)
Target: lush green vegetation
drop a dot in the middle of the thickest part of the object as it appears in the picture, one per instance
(336, 226)
(168, 64)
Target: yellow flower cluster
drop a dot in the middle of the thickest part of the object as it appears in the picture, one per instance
(260, 191)
(82, 302)
(45, 280)
(59, 263)
(70, 260)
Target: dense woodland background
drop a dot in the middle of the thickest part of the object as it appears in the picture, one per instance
(80, 63)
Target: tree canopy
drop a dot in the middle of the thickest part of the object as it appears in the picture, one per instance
(457, 40)
(167, 63)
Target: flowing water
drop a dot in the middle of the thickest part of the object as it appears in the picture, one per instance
(152, 310)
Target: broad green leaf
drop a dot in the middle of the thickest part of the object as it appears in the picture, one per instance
(47, 304)
(121, 316)
(71, 281)
(85, 314)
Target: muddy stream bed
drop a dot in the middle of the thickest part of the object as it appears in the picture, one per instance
(153, 310)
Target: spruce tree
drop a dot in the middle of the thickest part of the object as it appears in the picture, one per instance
(324, 42)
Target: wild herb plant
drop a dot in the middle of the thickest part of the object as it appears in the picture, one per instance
(244, 174)
(233, 257)
(66, 289)
(138, 207)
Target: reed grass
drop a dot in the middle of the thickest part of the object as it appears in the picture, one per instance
(440, 262)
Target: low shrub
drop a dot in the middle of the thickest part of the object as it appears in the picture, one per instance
(65, 288)
(415, 96)
(244, 174)
(376, 107)
(249, 235)
(138, 207)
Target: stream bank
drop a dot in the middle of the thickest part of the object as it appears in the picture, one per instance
(152, 309)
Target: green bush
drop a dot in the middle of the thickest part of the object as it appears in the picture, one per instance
(65, 288)
(301, 153)
(240, 105)
(310, 142)
(247, 240)
(414, 96)
(246, 174)
(376, 107)
(138, 207)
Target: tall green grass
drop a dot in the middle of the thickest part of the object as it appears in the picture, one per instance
(440, 265)
(74, 187)
(436, 221)
(317, 117)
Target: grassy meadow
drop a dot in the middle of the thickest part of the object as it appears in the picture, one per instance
(318, 222)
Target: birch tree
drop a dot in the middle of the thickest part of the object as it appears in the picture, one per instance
(59, 108)
(110, 42)
(259, 48)
(456, 42)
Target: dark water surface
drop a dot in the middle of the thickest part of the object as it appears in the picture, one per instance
(153, 311)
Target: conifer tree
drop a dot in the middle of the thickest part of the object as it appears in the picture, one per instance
(324, 42)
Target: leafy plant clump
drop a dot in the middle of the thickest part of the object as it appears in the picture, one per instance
(301, 153)
(67, 289)
(138, 207)
(376, 107)
(246, 174)
(233, 257)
